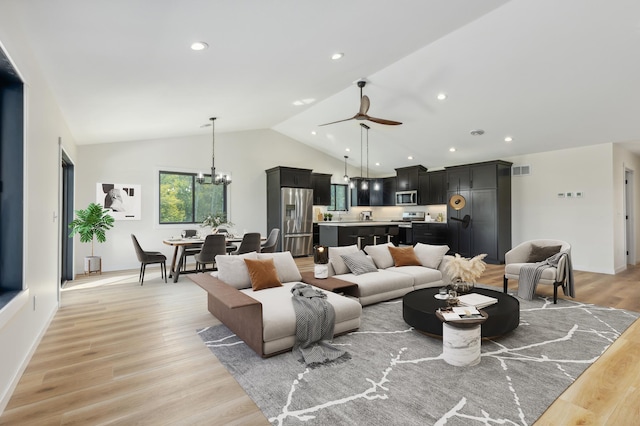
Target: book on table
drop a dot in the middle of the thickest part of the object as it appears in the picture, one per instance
(459, 313)
(476, 300)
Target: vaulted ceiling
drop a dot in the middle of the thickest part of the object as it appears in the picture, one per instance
(550, 74)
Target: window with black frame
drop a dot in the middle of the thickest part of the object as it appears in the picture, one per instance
(183, 200)
(339, 197)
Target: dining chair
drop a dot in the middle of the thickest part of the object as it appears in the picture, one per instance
(250, 242)
(269, 246)
(147, 258)
(214, 244)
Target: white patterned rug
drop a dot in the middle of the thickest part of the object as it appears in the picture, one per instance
(396, 375)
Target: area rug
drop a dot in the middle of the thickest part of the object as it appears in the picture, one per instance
(396, 375)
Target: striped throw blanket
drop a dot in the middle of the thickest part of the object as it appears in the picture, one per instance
(315, 322)
(530, 275)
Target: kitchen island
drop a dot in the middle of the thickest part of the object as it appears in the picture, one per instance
(338, 233)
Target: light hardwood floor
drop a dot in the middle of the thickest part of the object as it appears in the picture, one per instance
(119, 353)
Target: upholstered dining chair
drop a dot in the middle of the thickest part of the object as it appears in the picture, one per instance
(214, 244)
(250, 242)
(535, 251)
(149, 257)
(269, 246)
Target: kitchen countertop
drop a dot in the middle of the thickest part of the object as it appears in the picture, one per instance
(347, 223)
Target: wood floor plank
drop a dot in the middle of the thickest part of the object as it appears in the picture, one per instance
(120, 353)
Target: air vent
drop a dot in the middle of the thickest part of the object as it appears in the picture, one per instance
(520, 170)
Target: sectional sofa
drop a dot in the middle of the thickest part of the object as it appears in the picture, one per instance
(265, 318)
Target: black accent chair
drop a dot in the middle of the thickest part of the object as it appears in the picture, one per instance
(186, 250)
(214, 245)
(250, 242)
(147, 258)
(269, 246)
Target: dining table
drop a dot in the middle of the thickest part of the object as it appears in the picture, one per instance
(181, 245)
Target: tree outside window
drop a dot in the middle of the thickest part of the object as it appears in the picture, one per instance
(183, 200)
(339, 198)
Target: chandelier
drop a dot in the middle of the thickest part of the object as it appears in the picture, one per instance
(216, 178)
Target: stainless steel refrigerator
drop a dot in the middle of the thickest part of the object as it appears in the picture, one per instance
(297, 220)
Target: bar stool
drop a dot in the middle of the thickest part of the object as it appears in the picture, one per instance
(392, 231)
(378, 232)
(362, 233)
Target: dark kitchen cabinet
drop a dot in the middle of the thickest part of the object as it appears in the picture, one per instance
(408, 178)
(321, 184)
(432, 188)
(486, 188)
(359, 196)
(389, 191)
(429, 233)
(289, 177)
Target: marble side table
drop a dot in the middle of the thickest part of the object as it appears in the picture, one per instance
(461, 340)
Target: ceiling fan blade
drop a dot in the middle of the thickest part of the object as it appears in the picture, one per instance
(383, 121)
(364, 105)
(339, 121)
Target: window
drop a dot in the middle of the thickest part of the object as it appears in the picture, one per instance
(183, 200)
(339, 198)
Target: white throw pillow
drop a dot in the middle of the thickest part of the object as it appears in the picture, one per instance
(381, 255)
(233, 271)
(335, 253)
(430, 256)
(285, 266)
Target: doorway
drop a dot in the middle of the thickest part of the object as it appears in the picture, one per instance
(66, 216)
(630, 241)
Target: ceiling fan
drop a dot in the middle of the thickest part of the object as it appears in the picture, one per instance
(364, 107)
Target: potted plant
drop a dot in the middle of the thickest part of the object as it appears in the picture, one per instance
(465, 272)
(215, 221)
(92, 223)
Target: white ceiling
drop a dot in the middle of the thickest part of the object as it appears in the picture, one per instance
(549, 73)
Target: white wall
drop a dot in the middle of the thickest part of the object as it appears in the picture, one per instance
(625, 160)
(20, 333)
(587, 223)
(245, 154)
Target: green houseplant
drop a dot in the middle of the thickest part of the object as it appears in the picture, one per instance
(92, 224)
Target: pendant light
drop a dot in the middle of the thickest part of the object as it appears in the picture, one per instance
(346, 176)
(365, 182)
(216, 178)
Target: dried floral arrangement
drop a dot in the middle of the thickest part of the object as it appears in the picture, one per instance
(466, 270)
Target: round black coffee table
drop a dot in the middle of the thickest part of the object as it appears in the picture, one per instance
(419, 311)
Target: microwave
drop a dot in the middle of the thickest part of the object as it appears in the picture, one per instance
(407, 198)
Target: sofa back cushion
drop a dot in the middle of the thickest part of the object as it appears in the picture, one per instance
(262, 273)
(380, 255)
(335, 253)
(233, 271)
(285, 266)
(359, 263)
(430, 255)
(404, 256)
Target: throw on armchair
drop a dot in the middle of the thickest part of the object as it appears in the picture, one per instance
(534, 251)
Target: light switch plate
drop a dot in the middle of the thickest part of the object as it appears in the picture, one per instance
(560, 194)
(569, 194)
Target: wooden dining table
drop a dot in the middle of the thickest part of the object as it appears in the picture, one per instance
(182, 244)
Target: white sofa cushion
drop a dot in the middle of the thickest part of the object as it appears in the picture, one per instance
(422, 277)
(430, 255)
(335, 253)
(279, 317)
(233, 270)
(285, 266)
(380, 255)
(384, 281)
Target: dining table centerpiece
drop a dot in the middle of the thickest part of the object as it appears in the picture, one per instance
(215, 222)
(464, 273)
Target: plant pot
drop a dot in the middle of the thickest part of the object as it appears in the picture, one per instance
(92, 264)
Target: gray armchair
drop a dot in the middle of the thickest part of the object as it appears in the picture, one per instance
(214, 244)
(149, 257)
(250, 242)
(520, 255)
(269, 246)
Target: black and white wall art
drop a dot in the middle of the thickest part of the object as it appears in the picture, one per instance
(123, 200)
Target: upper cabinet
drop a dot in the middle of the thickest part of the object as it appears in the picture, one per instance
(380, 192)
(321, 184)
(408, 178)
(290, 177)
(432, 188)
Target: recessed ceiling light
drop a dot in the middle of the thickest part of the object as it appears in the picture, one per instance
(199, 45)
(313, 132)
(452, 149)
(348, 149)
(377, 164)
(337, 56)
(508, 139)
(410, 157)
(442, 96)
(306, 101)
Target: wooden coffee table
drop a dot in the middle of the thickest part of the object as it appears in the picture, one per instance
(419, 311)
(332, 284)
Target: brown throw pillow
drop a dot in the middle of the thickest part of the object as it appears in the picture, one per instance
(404, 256)
(539, 253)
(262, 273)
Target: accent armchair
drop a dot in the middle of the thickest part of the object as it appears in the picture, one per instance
(525, 254)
